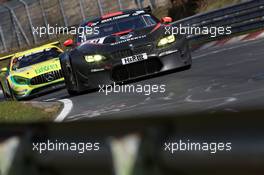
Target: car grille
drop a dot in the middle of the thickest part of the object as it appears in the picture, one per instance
(122, 53)
(134, 70)
(129, 52)
(47, 77)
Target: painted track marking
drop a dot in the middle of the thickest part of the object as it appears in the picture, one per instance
(68, 105)
(51, 99)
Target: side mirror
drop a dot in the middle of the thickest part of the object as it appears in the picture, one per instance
(166, 20)
(3, 70)
(68, 43)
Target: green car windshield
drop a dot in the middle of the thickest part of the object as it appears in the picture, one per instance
(131, 23)
(35, 58)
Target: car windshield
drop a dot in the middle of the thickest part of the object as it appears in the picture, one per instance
(129, 23)
(35, 58)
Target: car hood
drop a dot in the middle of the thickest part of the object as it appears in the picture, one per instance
(38, 69)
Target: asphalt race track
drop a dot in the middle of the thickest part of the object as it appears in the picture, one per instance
(229, 78)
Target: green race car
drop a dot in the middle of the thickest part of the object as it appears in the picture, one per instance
(32, 72)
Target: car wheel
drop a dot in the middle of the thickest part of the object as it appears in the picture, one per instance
(74, 90)
(70, 82)
(2, 88)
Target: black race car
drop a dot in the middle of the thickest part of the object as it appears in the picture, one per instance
(128, 45)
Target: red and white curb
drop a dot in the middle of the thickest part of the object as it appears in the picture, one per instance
(234, 40)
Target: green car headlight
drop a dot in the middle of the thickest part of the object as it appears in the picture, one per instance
(166, 40)
(20, 80)
(94, 58)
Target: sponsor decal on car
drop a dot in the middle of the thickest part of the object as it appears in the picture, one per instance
(46, 68)
(139, 12)
(129, 39)
(94, 41)
(115, 18)
(126, 36)
(134, 58)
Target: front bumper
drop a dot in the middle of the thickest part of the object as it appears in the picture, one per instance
(27, 91)
(161, 61)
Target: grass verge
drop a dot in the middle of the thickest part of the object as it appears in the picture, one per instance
(27, 112)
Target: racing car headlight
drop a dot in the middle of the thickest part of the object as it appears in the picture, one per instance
(94, 58)
(20, 80)
(166, 40)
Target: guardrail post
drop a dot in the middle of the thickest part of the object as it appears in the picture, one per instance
(139, 4)
(18, 26)
(63, 13)
(19, 41)
(152, 3)
(120, 5)
(100, 7)
(82, 11)
(44, 15)
(3, 39)
(29, 20)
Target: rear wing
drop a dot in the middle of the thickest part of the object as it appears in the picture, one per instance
(56, 43)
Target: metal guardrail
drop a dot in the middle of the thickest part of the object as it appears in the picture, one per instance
(150, 154)
(18, 17)
(56, 43)
(6, 57)
(241, 18)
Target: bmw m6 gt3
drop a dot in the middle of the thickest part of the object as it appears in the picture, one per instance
(130, 44)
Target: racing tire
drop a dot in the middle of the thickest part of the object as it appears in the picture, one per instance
(189, 66)
(12, 95)
(4, 93)
(69, 79)
(72, 92)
